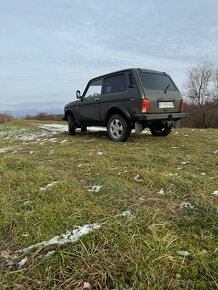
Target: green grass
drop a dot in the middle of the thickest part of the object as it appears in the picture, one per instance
(140, 252)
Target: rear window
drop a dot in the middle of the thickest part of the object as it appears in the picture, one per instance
(152, 81)
(115, 84)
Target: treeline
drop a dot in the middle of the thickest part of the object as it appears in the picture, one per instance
(5, 118)
(195, 119)
(45, 117)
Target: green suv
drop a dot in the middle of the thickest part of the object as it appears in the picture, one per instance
(124, 100)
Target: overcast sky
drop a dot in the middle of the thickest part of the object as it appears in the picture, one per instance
(51, 48)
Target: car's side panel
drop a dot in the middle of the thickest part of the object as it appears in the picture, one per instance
(127, 101)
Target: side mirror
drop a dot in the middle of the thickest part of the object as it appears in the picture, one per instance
(78, 96)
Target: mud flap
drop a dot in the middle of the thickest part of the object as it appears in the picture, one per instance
(138, 127)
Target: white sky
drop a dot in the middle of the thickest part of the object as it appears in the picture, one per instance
(51, 48)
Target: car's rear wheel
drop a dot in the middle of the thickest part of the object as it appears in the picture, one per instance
(118, 128)
(71, 125)
(160, 130)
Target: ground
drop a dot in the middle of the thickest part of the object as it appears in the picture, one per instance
(83, 209)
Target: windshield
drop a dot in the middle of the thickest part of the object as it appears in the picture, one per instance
(154, 81)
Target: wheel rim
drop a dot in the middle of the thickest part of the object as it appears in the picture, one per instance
(116, 129)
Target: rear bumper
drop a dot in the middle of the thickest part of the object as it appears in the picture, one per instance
(158, 117)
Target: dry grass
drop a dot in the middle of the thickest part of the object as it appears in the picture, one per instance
(139, 252)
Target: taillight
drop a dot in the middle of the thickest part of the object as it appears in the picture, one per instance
(145, 106)
(182, 105)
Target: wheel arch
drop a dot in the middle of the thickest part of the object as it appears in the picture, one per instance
(116, 110)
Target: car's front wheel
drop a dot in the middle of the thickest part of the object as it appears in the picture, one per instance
(118, 128)
(160, 130)
(71, 125)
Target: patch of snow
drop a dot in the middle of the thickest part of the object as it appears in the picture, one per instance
(147, 132)
(95, 188)
(122, 172)
(126, 213)
(203, 251)
(31, 152)
(96, 129)
(22, 262)
(68, 237)
(54, 128)
(184, 162)
(49, 253)
(65, 142)
(136, 178)
(215, 152)
(5, 149)
(25, 235)
(215, 193)
(86, 286)
(27, 202)
(161, 192)
(183, 253)
(172, 174)
(89, 140)
(100, 153)
(48, 185)
(53, 140)
(185, 204)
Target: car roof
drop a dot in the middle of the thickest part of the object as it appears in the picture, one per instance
(130, 69)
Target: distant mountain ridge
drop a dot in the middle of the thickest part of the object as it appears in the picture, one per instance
(33, 108)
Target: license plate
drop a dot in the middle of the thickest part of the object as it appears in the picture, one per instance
(165, 105)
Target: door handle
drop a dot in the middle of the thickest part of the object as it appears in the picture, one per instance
(97, 99)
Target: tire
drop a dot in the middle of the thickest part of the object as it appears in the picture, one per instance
(83, 129)
(160, 130)
(118, 128)
(71, 125)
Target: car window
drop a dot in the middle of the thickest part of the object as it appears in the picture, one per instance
(115, 84)
(94, 89)
(154, 81)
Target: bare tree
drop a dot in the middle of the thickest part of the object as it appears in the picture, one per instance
(202, 89)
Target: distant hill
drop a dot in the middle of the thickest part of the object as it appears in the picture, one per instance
(34, 108)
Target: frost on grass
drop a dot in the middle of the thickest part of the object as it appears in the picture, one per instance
(68, 237)
(22, 262)
(185, 204)
(48, 185)
(183, 253)
(95, 188)
(215, 193)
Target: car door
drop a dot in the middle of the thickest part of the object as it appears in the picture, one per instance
(89, 109)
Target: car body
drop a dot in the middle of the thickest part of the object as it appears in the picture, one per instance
(138, 98)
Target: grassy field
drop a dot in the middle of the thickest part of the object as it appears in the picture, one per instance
(136, 215)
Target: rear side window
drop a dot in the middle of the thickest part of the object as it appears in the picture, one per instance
(115, 84)
(152, 81)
